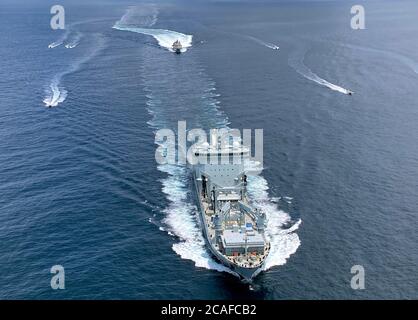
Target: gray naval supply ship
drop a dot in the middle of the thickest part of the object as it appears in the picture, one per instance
(232, 227)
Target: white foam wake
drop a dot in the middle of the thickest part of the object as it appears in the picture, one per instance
(403, 59)
(68, 31)
(61, 40)
(75, 41)
(55, 44)
(138, 19)
(284, 241)
(165, 38)
(181, 219)
(264, 43)
(297, 63)
(144, 15)
(314, 77)
(55, 93)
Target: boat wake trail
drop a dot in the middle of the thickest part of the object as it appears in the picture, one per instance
(145, 15)
(403, 59)
(55, 93)
(78, 35)
(75, 41)
(407, 61)
(60, 41)
(296, 61)
(165, 38)
(284, 241)
(136, 18)
(263, 43)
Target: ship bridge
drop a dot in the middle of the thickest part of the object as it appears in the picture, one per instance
(221, 166)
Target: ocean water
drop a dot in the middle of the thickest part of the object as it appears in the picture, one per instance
(80, 187)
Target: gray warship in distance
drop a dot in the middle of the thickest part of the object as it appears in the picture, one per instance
(177, 47)
(233, 229)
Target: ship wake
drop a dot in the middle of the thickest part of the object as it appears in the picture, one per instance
(60, 41)
(296, 61)
(165, 38)
(412, 64)
(283, 240)
(264, 43)
(75, 41)
(139, 19)
(55, 93)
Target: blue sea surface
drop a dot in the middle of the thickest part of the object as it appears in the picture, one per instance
(80, 186)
